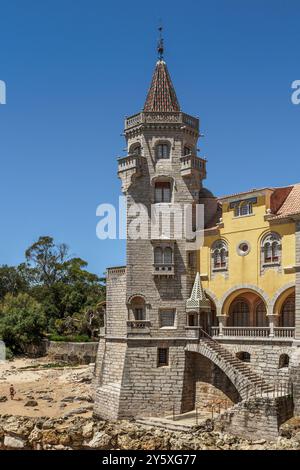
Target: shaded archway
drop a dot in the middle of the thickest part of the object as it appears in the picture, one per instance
(247, 309)
(287, 312)
(205, 384)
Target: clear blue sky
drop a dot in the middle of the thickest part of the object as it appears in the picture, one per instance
(75, 68)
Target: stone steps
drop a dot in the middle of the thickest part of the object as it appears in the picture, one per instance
(255, 381)
(165, 424)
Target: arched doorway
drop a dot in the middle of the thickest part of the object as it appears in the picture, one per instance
(206, 385)
(287, 313)
(239, 313)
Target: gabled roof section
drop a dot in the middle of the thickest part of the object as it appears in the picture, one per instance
(161, 95)
(291, 204)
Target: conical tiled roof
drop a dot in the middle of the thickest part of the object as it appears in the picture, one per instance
(161, 96)
(198, 299)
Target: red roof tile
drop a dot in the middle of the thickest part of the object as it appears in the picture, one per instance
(161, 95)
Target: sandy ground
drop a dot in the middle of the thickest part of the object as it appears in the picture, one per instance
(47, 386)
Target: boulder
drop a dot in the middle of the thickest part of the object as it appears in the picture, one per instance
(100, 440)
(31, 403)
(14, 442)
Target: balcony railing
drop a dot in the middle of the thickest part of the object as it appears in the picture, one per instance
(284, 332)
(253, 332)
(138, 326)
(191, 164)
(159, 117)
(163, 269)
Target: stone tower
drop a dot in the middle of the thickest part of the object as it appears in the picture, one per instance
(141, 365)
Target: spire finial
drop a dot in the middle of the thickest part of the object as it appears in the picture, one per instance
(160, 45)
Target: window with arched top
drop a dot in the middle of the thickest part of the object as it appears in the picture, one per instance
(239, 313)
(138, 308)
(261, 318)
(219, 252)
(284, 360)
(163, 255)
(162, 151)
(168, 255)
(158, 255)
(271, 249)
(136, 149)
(243, 208)
(287, 314)
(163, 191)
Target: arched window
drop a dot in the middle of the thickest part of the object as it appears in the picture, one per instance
(163, 256)
(287, 316)
(192, 319)
(219, 255)
(136, 149)
(168, 255)
(162, 191)
(243, 356)
(271, 249)
(284, 361)
(261, 315)
(138, 308)
(243, 208)
(162, 151)
(158, 255)
(239, 313)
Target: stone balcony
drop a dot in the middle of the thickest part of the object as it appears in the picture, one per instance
(250, 333)
(129, 168)
(163, 269)
(138, 327)
(191, 165)
(170, 118)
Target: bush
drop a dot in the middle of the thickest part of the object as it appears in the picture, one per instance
(70, 338)
(22, 321)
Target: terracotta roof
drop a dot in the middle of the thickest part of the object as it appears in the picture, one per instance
(291, 205)
(161, 95)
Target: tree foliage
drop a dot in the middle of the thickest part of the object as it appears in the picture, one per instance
(65, 293)
(22, 321)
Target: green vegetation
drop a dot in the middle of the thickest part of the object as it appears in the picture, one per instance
(50, 295)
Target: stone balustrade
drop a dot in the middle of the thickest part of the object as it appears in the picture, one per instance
(191, 164)
(253, 332)
(166, 118)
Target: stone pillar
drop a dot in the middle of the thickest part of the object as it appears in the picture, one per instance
(297, 310)
(222, 322)
(273, 321)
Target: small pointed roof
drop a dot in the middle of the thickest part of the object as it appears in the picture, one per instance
(198, 299)
(161, 95)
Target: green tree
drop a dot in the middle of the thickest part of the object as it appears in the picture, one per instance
(22, 321)
(12, 280)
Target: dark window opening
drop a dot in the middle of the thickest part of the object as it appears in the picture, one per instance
(163, 191)
(243, 356)
(284, 361)
(162, 357)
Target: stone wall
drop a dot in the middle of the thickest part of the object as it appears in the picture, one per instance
(75, 353)
(264, 358)
(256, 418)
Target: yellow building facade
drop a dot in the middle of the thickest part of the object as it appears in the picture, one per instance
(248, 263)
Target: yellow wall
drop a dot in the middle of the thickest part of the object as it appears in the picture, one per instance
(246, 269)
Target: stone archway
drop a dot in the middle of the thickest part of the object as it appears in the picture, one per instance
(206, 385)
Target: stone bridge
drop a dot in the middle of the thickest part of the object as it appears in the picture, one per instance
(246, 381)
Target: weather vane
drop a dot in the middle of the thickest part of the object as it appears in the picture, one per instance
(160, 45)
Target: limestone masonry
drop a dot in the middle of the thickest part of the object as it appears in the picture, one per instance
(184, 327)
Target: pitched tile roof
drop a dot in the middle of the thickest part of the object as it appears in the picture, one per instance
(161, 95)
(291, 205)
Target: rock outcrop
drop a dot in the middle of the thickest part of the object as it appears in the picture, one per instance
(79, 432)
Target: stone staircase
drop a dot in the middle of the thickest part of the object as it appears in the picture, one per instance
(247, 382)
